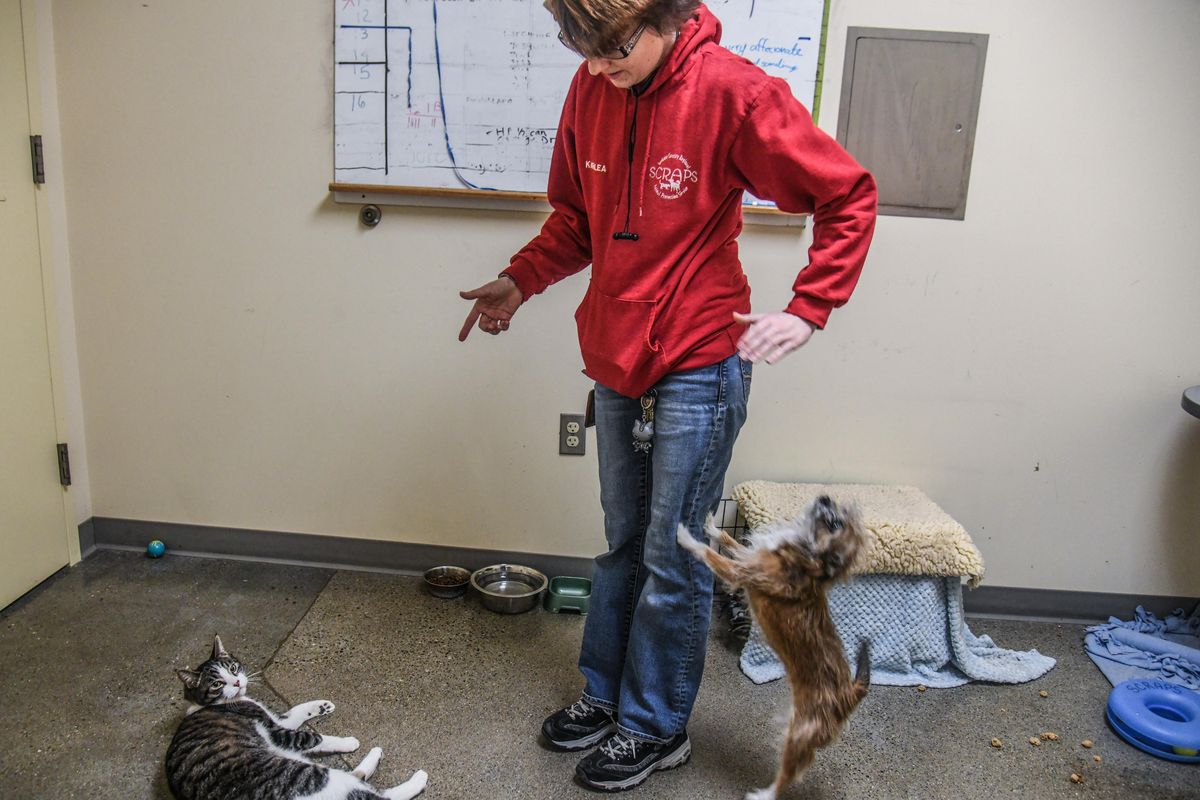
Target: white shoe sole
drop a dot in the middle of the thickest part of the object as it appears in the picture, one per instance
(582, 743)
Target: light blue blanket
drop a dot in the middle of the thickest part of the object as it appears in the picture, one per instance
(1148, 647)
(918, 635)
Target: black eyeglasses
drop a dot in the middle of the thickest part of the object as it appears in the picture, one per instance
(621, 52)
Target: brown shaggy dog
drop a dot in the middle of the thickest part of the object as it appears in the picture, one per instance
(785, 572)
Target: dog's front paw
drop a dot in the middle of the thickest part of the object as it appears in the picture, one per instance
(711, 530)
(684, 537)
(761, 794)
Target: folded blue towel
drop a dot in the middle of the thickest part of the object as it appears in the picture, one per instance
(1147, 647)
(917, 632)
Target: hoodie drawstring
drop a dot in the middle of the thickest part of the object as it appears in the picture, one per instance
(625, 233)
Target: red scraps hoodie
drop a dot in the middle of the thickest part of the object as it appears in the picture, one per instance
(674, 161)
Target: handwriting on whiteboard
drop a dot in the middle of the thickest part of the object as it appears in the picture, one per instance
(467, 93)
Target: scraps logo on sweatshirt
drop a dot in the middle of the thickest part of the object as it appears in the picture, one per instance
(671, 176)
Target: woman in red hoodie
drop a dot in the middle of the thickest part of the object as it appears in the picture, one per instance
(662, 132)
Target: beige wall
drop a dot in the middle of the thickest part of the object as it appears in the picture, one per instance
(251, 357)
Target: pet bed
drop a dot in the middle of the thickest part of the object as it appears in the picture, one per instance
(905, 595)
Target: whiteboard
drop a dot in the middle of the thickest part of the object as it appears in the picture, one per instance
(466, 94)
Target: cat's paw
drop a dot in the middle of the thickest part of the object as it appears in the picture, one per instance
(366, 768)
(335, 744)
(410, 788)
(315, 708)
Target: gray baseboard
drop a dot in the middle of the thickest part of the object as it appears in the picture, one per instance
(406, 558)
(87, 538)
(336, 552)
(1056, 604)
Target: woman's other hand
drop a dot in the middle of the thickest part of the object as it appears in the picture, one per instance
(495, 304)
(770, 337)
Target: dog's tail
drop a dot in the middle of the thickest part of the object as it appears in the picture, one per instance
(862, 674)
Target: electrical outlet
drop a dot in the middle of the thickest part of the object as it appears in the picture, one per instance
(571, 435)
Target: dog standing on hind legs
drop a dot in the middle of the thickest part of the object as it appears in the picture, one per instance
(785, 572)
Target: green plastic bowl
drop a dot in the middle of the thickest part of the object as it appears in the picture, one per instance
(568, 594)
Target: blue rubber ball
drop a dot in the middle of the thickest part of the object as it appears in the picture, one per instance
(155, 549)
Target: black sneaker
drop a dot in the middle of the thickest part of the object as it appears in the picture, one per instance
(578, 726)
(739, 617)
(623, 762)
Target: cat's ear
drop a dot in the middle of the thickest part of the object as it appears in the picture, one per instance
(190, 679)
(218, 648)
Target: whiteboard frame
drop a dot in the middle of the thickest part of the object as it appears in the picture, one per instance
(536, 202)
(496, 200)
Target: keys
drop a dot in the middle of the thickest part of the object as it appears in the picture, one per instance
(643, 429)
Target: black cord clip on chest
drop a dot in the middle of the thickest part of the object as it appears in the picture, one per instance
(626, 234)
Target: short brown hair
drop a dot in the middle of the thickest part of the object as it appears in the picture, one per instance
(593, 27)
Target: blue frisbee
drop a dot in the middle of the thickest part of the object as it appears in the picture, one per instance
(1161, 718)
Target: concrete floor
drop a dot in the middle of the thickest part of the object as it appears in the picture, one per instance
(90, 700)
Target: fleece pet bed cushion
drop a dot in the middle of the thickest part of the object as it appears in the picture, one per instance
(905, 597)
(908, 534)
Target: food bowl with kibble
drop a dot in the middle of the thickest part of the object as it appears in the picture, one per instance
(447, 582)
(508, 588)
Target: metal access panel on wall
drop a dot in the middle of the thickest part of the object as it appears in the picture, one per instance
(910, 100)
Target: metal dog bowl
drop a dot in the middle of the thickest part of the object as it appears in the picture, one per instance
(568, 594)
(447, 582)
(508, 588)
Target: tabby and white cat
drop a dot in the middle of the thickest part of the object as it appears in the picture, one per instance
(230, 746)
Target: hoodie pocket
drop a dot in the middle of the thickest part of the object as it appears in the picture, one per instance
(615, 340)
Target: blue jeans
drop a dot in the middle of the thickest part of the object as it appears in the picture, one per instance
(647, 627)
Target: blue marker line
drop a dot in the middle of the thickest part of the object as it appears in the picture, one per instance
(441, 92)
(437, 56)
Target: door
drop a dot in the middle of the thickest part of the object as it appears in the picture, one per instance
(33, 535)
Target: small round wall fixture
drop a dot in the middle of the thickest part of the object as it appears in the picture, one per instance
(1191, 401)
(370, 215)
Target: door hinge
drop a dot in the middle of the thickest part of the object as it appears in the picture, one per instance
(39, 161)
(64, 465)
